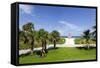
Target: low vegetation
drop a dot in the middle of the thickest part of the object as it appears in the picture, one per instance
(82, 41)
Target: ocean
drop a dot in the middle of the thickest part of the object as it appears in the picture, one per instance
(71, 37)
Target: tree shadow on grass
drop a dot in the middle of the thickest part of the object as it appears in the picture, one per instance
(86, 48)
(38, 53)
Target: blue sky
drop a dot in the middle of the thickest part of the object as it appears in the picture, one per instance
(63, 19)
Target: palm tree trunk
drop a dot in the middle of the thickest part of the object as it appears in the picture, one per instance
(45, 43)
(43, 48)
(46, 50)
(54, 44)
(26, 40)
(87, 44)
(42, 44)
(32, 45)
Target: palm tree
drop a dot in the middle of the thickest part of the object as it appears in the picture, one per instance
(87, 36)
(21, 35)
(29, 34)
(55, 36)
(45, 40)
(41, 35)
(28, 27)
(94, 32)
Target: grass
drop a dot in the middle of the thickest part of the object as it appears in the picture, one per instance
(60, 54)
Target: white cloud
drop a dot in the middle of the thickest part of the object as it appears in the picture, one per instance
(67, 27)
(71, 26)
(62, 32)
(38, 26)
(27, 9)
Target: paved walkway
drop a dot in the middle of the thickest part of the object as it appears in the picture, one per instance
(69, 41)
(66, 44)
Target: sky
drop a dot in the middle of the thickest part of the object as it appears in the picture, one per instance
(65, 20)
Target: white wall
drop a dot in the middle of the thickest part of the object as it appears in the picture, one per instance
(5, 34)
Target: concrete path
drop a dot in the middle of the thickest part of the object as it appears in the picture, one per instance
(69, 41)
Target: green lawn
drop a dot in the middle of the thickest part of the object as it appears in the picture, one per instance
(60, 54)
